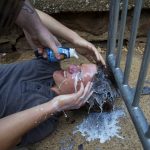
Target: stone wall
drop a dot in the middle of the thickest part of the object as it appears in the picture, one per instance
(57, 6)
(93, 26)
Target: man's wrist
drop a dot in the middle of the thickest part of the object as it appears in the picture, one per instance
(52, 107)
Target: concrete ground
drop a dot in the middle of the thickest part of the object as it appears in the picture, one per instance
(64, 132)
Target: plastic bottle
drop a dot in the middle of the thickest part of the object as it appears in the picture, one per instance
(64, 52)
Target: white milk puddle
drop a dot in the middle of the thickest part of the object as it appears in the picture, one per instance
(102, 126)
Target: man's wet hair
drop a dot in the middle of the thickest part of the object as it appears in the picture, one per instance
(104, 89)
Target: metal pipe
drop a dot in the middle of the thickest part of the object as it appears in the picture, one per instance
(121, 32)
(143, 72)
(147, 134)
(113, 23)
(136, 113)
(136, 16)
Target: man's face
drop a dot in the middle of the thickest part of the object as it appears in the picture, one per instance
(68, 81)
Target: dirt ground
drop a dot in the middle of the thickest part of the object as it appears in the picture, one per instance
(66, 126)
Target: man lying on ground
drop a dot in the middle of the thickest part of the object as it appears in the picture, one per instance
(34, 91)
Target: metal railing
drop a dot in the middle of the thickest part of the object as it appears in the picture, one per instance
(115, 41)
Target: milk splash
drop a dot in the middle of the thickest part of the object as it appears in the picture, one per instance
(76, 78)
(101, 126)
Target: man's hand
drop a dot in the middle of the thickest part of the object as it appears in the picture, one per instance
(88, 50)
(40, 41)
(73, 101)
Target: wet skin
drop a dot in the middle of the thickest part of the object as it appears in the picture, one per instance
(68, 81)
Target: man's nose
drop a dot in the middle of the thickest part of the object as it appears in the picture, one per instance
(73, 69)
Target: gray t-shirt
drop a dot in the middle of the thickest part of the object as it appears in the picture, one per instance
(24, 85)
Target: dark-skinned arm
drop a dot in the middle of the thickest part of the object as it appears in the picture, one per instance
(29, 21)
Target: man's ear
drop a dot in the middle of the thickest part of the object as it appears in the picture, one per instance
(55, 89)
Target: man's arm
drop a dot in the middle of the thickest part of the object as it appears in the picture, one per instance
(84, 47)
(57, 28)
(13, 127)
(29, 20)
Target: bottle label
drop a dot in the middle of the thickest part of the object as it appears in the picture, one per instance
(64, 52)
